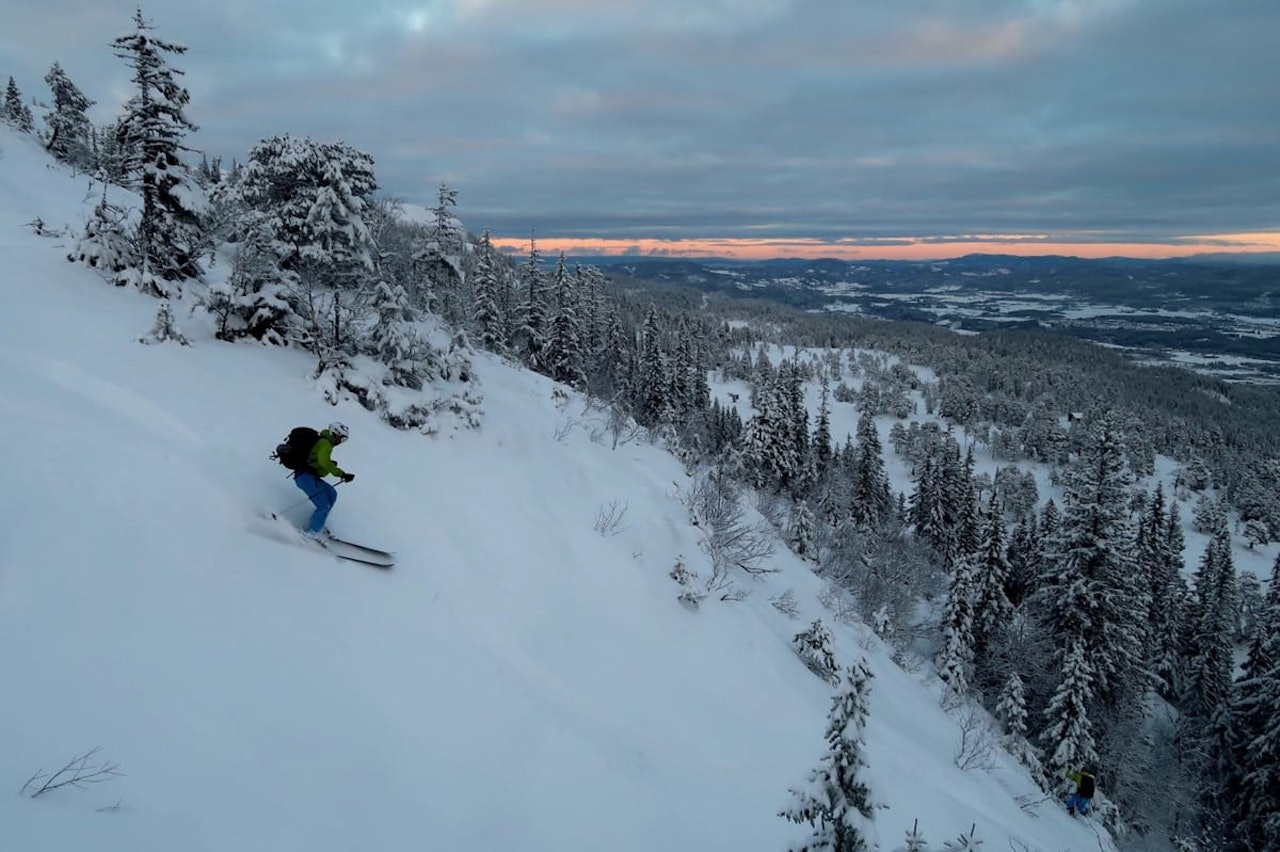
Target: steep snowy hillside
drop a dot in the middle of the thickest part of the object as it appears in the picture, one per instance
(521, 679)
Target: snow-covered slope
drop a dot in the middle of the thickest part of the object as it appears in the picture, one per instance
(519, 681)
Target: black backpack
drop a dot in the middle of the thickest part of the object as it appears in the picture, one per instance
(1086, 786)
(296, 449)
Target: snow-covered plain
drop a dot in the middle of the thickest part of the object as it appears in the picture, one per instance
(520, 680)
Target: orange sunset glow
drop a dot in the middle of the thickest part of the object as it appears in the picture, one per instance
(905, 248)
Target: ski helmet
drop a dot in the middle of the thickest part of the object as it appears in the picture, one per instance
(339, 430)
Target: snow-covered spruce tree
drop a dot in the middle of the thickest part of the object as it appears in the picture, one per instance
(690, 391)
(115, 153)
(814, 647)
(104, 244)
(1163, 570)
(313, 196)
(968, 516)
(955, 659)
(1210, 646)
(770, 442)
(564, 356)
(487, 322)
(991, 607)
(799, 478)
(1011, 707)
(969, 842)
(1251, 790)
(437, 257)
(1024, 553)
(872, 502)
(1091, 603)
(69, 128)
(16, 113)
(153, 127)
(528, 337)
(589, 282)
(254, 300)
(620, 371)
(652, 389)
(165, 327)
(838, 802)
(915, 840)
(1011, 710)
(821, 439)
(802, 529)
(394, 339)
(1068, 737)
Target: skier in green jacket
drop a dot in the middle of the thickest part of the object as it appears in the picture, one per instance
(1079, 801)
(320, 465)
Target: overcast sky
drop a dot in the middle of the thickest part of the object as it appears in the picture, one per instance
(813, 125)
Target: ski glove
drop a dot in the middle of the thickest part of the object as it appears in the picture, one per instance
(347, 477)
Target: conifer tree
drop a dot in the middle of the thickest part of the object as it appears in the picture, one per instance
(797, 428)
(1210, 645)
(921, 505)
(314, 198)
(436, 258)
(254, 299)
(653, 375)
(872, 501)
(589, 283)
(956, 657)
(115, 153)
(17, 113)
(153, 127)
(689, 378)
(1152, 562)
(1011, 707)
(802, 530)
(621, 366)
(1023, 556)
(529, 337)
(1092, 604)
(814, 647)
(564, 354)
(70, 130)
(821, 441)
(1251, 791)
(394, 339)
(766, 448)
(165, 327)
(838, 802)
(1068, 737)
(991, 607)
(486, 313)
(968, 518)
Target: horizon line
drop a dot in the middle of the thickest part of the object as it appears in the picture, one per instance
(904, 248)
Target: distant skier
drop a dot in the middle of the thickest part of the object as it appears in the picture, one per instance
(1079, 801)
(311, 464)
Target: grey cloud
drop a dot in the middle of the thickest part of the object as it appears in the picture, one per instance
(1142, 119)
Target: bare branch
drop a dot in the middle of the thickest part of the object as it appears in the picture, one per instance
(976, 742)
(609, 519)
(80, 771)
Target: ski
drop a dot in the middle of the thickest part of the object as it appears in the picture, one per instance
(374, 551)
(365, 556)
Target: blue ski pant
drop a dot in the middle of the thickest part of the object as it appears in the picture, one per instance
(1078, 803)
(321, 493)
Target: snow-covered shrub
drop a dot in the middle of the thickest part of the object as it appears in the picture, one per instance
(814, 647)
(165, 327)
